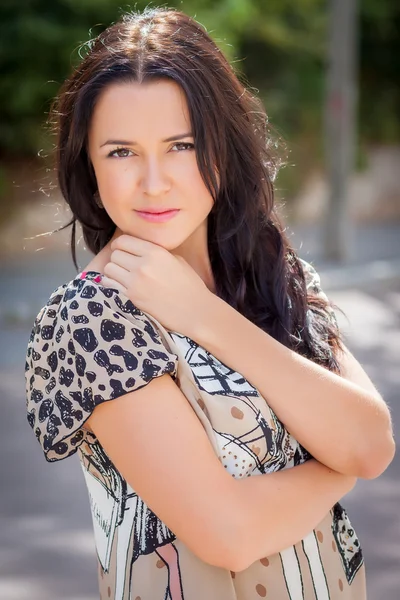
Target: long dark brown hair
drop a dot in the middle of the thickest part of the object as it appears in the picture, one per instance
(255, 269)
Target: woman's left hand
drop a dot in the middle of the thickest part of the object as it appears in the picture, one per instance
(157, 282)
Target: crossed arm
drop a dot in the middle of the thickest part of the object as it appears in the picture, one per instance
(341, 420)
(158, 444)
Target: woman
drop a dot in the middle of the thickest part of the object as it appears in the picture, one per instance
(196, 349)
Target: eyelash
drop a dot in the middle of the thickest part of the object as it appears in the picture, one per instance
(112, 154)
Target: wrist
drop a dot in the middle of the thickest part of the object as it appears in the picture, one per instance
(346, 481)
(208, 314)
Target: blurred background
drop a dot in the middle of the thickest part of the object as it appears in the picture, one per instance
(328, 74)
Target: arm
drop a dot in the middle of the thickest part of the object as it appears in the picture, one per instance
(285, 507)
(156, 441)
(342, 421)
(335, 418)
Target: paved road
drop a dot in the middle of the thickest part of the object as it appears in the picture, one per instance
(43, 503)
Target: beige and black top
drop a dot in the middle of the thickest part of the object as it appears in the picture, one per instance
(89, 345)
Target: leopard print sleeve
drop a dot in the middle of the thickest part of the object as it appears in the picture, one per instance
(88, 345)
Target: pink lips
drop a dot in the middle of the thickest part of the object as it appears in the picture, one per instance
(160, 217)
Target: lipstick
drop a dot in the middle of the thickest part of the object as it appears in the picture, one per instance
(157, 217)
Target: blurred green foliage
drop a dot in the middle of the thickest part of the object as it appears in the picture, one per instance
(280, 46)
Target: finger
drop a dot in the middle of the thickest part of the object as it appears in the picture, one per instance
(107, 282)
(132, 244)
(124, 259)
(117, 273)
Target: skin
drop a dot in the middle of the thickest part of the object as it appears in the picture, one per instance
(151, 173)
(165, 269)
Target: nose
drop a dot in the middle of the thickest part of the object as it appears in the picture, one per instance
(154, 180)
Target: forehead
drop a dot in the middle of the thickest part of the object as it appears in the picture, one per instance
(142, 109)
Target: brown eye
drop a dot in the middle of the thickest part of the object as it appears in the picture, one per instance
(120, 153)
(183, 146)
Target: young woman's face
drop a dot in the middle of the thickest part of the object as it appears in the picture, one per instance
(138, 169)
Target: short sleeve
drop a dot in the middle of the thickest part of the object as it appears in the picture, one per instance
(313, 286)
(88, 345)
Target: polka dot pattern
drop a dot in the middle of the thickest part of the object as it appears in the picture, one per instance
(261, 590)
(236, 413)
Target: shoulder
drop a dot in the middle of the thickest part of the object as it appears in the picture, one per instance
(89, 344)
(82, 306)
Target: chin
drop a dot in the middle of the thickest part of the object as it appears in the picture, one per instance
(166, 240)
(169, 245)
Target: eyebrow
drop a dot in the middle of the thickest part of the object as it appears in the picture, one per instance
(173, 138)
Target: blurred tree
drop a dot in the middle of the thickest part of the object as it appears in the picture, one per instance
(282, 49)
(380, 71)
(37, 43)
(279, 46)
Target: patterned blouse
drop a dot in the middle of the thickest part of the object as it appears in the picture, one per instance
(90, 344)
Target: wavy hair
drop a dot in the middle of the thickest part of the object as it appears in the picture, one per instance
(255, 269)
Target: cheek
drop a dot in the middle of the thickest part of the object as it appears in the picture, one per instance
(115, 181)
